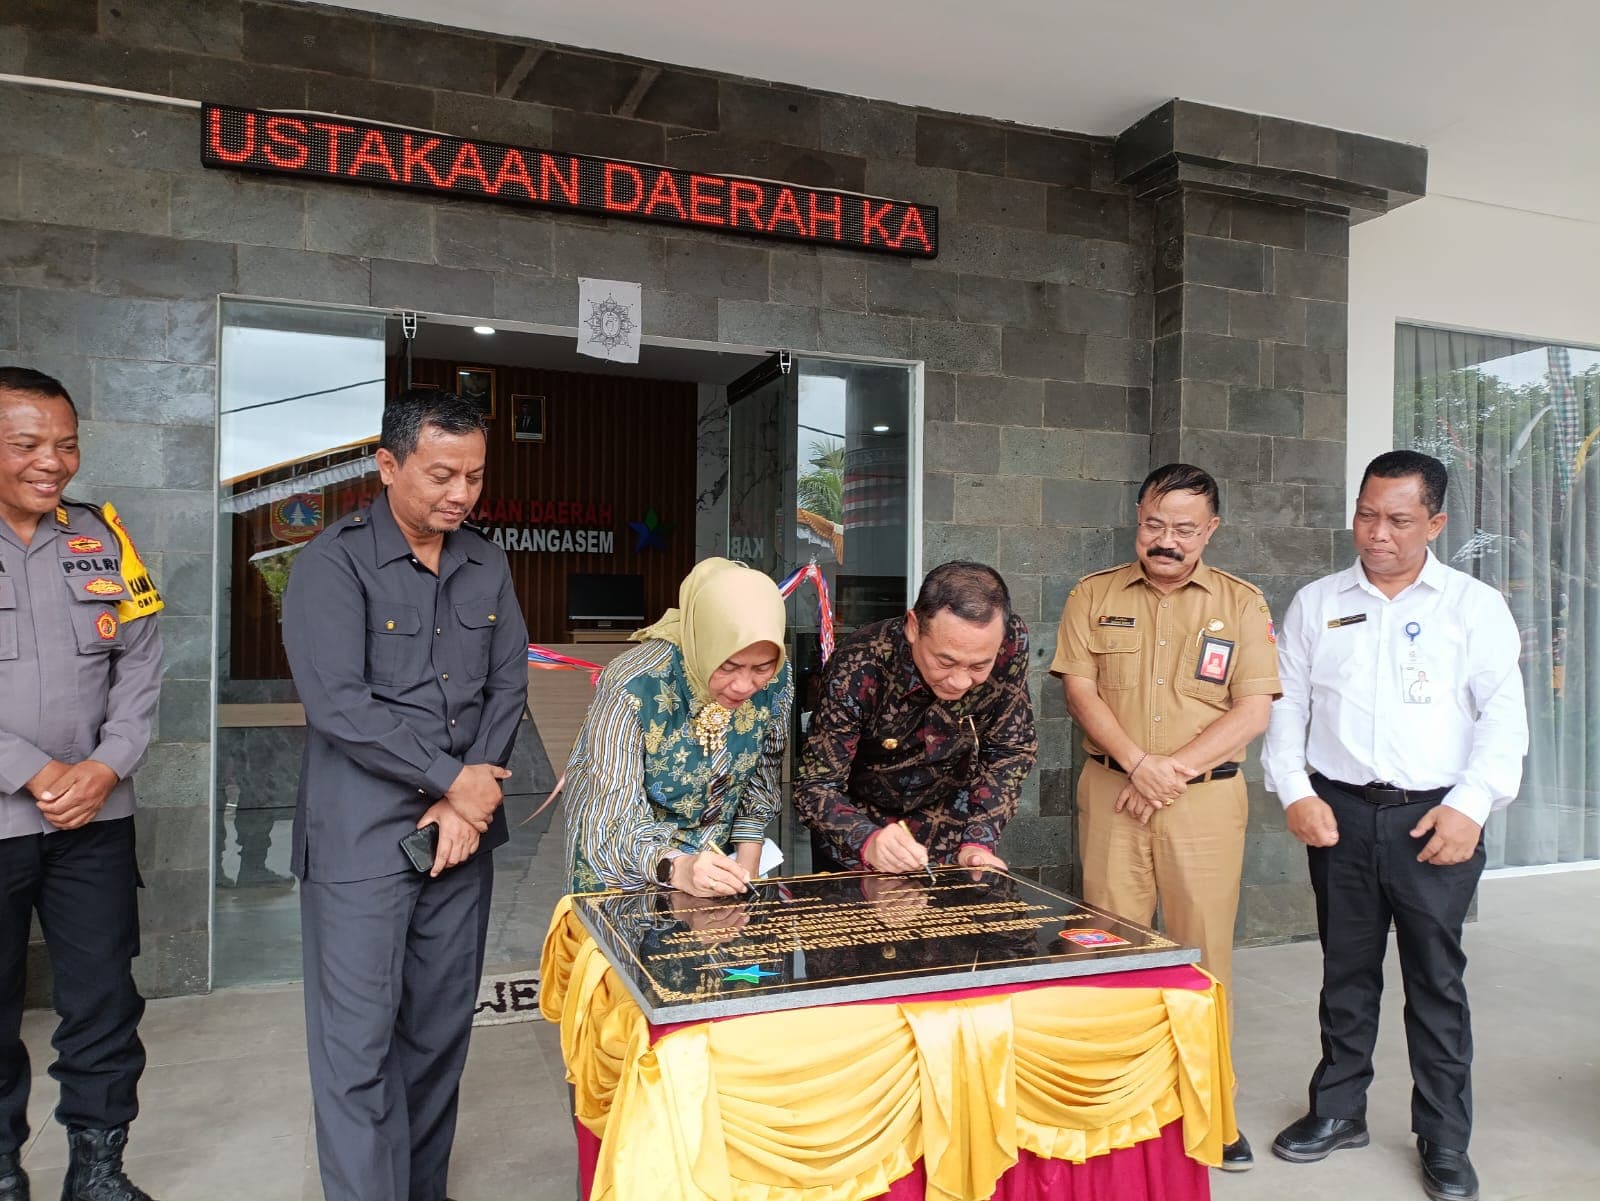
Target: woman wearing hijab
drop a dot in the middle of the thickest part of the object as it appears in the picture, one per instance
(675, 773)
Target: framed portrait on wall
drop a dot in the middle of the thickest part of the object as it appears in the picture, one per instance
(477, 384)
(527, 418)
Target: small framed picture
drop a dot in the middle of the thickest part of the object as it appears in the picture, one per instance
(477, 384)
(527, 413)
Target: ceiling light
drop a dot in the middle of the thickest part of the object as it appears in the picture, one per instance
(880, 429)
(483, 329)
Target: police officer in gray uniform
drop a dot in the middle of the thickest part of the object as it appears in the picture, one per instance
(410, 654)
(80, 671)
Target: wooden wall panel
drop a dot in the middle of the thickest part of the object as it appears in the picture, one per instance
(623, 442)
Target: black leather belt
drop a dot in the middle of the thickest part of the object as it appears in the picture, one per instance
(1221, 771)
(1381, 792)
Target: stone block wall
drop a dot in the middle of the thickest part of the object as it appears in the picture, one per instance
(1054, 306)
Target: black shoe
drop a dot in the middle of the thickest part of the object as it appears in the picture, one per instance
(13, 1180)
(1237, 1156)
(95, 1170)
(1313, 1138)
(1447, 1175)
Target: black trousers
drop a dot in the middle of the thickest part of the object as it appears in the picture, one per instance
(84, 885)
(392, 968)
(1368, 879)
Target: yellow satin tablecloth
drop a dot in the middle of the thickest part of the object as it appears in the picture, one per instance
(834, 1103)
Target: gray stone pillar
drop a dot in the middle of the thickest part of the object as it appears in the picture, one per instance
(1251, 282)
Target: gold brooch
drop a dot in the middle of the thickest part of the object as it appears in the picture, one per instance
(710, 726)
(890, 744)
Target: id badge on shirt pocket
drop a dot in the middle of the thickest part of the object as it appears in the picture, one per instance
(1216, 658)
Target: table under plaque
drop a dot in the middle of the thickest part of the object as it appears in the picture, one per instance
(833, 1038)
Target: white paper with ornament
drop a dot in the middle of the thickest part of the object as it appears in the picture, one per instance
(610, 319)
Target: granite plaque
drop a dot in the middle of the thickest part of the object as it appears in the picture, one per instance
(824, 939)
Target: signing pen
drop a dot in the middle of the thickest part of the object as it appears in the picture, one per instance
(749, 885)
(926, 865)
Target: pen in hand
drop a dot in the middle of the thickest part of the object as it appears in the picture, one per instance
(927, 865)
(749, 885)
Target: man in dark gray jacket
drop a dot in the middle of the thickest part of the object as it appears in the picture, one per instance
(410, 655)
(80, 671)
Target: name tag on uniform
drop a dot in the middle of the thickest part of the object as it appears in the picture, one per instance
(1123, 623)
(1216, 656)
(1351, 620)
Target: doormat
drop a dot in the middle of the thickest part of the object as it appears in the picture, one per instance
(512, 997)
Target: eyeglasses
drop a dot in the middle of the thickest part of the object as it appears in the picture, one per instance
(1186, 532)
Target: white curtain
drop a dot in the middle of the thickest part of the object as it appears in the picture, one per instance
(1514, 421)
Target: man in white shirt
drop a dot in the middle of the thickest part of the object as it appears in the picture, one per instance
(1401, 727)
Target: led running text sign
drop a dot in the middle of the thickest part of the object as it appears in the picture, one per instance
(358, 152)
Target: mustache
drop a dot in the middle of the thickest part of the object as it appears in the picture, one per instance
(1162, 552)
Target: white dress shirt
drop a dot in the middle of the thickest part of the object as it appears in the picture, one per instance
(1422, 691)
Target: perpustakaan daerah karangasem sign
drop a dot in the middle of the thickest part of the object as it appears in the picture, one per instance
(359, 152)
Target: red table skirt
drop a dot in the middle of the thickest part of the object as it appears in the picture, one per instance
(1154, 1170)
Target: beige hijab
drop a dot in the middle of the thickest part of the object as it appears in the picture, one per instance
(723, 607)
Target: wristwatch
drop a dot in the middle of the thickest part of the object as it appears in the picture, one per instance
(664, 870)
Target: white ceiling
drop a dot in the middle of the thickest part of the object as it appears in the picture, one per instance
(453, 339)
(1504, 93)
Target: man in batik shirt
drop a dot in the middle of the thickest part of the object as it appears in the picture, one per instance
(923, 733)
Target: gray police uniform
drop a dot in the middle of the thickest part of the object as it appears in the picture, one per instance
(80, 672)
(406, 676)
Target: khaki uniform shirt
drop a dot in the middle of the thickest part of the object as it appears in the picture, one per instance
(1155, 659)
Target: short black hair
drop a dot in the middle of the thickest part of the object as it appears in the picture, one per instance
(1397, 464)
(406, 414)
(1179, 477)
(974, 592)
(26, 379)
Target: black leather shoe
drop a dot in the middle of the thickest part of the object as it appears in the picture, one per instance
(1237, 1156)
(13, 1180)
(94, 1172)
(1313, 1138)
(1447, 1175)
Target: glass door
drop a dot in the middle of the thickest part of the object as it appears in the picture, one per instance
(301, 400)
(819, 470)
(760, 466)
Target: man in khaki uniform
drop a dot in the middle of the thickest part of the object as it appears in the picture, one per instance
(1170, 669)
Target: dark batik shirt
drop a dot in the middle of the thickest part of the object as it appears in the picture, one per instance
(882, 748)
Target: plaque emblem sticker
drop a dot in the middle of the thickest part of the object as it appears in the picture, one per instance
(1216, 656)
(100, 586)
(1094, 938)
(82, 545)
(106, 626)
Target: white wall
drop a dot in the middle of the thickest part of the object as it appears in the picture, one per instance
(1459, 264)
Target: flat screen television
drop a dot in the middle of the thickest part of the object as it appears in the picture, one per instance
(605, 601)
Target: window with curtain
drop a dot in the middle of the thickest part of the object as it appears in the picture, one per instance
(1518, 424)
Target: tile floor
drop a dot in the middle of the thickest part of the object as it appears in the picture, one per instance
(227, 1112)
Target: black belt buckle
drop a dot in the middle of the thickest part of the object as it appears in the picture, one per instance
(1377, 793)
